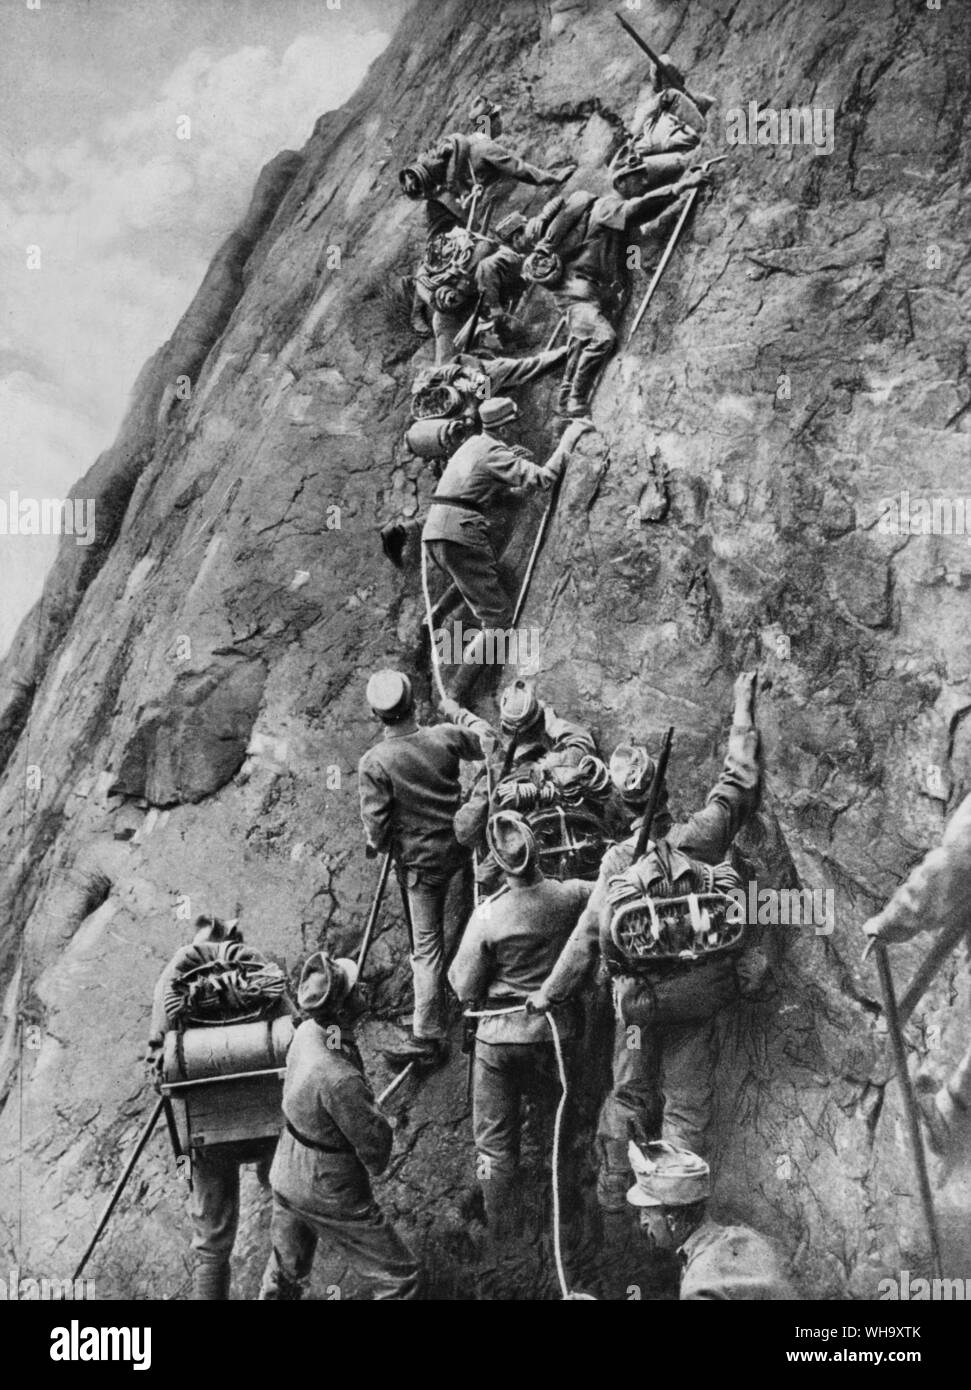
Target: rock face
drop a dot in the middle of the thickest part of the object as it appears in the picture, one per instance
(803, 361)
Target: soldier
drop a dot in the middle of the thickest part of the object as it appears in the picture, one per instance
(214, 1193)
(456, 531)
(674, 1012)
(333, 1138)
(671, 118)
(581, 257)
(460, 267)
(508, 949)
(545, 754)
(445, 401)
(410, 790)
(723, 1263)
(461, 169)
(936, 897)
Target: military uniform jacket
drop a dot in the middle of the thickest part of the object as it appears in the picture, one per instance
(478, 471)
(327, 1099)
(410, 790)
(706, 835)
(938, 891)
(508, 950)
(725, 1263)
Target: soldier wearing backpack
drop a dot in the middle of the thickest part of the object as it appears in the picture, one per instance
(215, 967)
(581, 256)
(671, 1004)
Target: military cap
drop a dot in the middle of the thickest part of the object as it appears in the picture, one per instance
(325, 982)
(511, 842)
(498, 410)
(667, 1176)
(390, 695)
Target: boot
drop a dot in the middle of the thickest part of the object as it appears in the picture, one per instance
(210, 1282)
(426, 1053)
(614, 1177)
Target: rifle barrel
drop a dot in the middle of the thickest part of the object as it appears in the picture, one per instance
(652, 802)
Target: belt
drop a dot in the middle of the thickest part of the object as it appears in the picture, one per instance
(312, 1143)
(458, 502)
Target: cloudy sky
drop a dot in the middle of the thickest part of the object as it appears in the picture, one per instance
(125, 214)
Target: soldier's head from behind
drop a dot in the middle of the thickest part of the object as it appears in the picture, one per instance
(213, 931)
(511, 231)
(632, 771)
(671, 1190)
(485, 116)
(497, 414)
(390, 697)
(513, 847)
(327, 985)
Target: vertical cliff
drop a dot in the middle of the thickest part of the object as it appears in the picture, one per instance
(803, 360)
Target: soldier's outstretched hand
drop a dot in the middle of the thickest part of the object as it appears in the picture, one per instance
(450, 709)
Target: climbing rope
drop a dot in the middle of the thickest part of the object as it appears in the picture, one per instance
(569, 1295)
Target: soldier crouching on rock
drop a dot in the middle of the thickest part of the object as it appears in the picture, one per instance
(333, 1138)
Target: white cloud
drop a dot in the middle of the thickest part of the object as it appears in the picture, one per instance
(127, 217)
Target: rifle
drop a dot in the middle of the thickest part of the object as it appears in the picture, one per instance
(657, 785)
(667, 75)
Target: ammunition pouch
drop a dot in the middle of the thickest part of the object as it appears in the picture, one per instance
(688, 928)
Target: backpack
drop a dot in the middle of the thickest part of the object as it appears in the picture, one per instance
(669, 907)
(238, 986)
